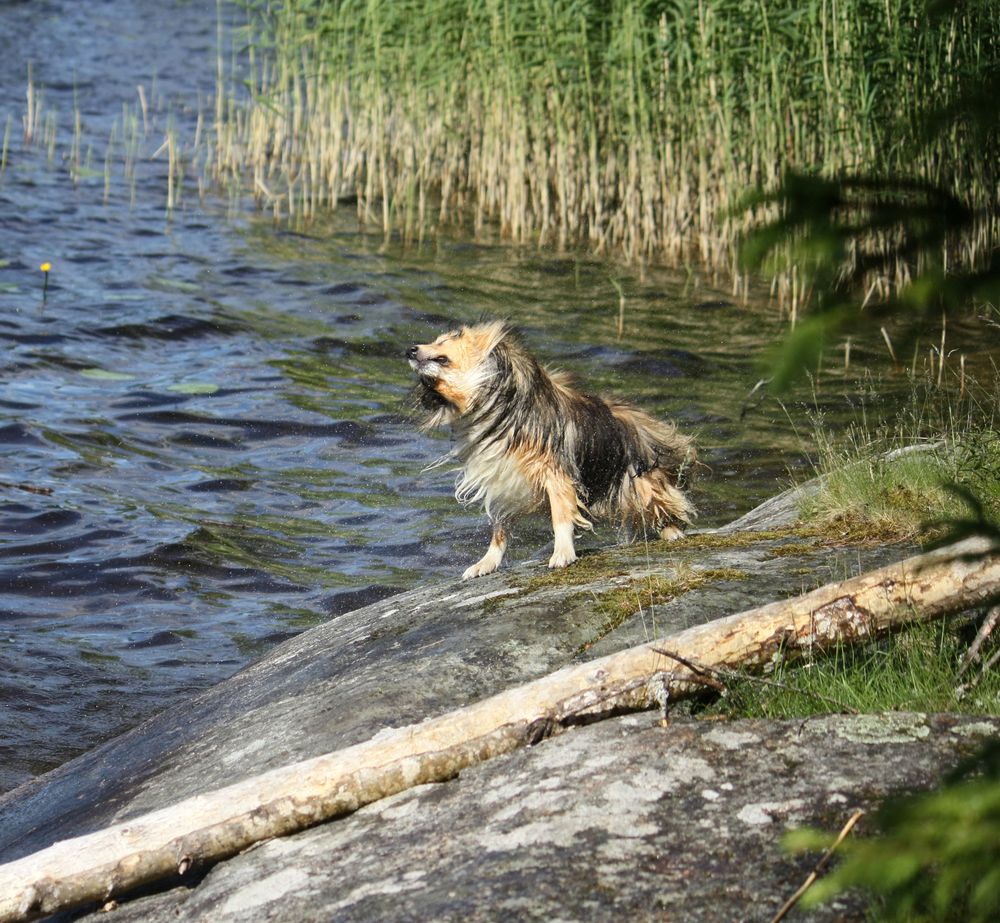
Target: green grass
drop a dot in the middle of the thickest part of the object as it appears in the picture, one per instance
(935, 859)
(896, 478)
(626, 127)
(915, 670)
(903, 497)
(884, 481)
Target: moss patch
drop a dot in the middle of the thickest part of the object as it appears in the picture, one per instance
(793, 549)
(587, 569)
(714, 540)
(622, 603)
(606, 565)
(854, 528)
(844, 529)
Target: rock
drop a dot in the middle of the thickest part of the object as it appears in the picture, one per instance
(405, 658)
(621, 820)
(778, 511)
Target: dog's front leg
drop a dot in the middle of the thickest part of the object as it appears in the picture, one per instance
(565, 511)
(494, 554)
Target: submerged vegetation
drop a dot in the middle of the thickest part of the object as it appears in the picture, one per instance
(627, 127)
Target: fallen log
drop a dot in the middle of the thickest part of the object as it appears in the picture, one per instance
(209, 827)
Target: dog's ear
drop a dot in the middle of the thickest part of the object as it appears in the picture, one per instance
(502, 354)
(490, 334)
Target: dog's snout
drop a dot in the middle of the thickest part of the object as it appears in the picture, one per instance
(411, 353)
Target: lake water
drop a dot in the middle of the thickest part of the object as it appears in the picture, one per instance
(203, 448)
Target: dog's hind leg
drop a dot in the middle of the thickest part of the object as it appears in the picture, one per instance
(654, 502)
(494, 554)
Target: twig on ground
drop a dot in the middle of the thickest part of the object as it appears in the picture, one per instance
(814, 874)
(702, 672)
(972, 655)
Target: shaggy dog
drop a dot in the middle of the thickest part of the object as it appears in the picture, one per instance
(525, 435)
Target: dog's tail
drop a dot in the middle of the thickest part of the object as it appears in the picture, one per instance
(662, 462)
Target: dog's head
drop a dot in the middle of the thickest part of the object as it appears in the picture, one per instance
(454, 369)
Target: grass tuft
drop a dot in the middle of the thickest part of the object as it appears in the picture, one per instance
(896, 480)
(915, 670)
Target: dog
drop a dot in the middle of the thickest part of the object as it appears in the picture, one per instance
(526, 435)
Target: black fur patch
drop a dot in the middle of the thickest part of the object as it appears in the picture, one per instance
(522, 405)
(426, 396)
(601, 453)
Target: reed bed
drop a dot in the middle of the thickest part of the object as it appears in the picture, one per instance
(626, 127)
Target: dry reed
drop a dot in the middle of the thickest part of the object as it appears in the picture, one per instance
(628, 128)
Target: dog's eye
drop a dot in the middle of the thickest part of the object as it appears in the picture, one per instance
(442, 360)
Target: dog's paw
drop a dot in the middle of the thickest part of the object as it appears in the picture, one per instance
(479, 569)
(671, 533)
(562, 558)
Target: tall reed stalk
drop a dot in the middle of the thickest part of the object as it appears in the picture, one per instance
(626, 126)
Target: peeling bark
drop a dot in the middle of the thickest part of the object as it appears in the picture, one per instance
(215, 825)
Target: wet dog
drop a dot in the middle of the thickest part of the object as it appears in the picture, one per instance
(526, 435)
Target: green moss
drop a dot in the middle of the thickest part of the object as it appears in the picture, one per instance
(714, 540)
(587, 569)
(495, 604)
(622, 603)
(724, 573)
(832, 531)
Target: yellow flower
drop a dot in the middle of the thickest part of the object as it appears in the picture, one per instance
(45, 267)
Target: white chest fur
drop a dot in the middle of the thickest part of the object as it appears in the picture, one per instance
(494, 477)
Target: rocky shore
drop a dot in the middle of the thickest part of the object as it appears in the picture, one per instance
(626, 818)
